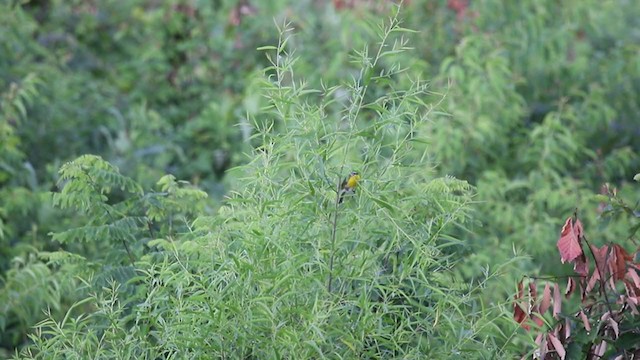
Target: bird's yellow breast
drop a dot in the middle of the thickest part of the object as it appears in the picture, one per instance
(353, 181)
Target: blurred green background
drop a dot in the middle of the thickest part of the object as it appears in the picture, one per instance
(540, 109)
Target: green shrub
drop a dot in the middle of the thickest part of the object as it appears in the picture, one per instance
(282, 269)
(531, 102)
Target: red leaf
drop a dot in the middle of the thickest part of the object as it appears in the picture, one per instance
(614, 326)
(569, 242)
(541, 340)
(606, 317)
(557, 300)
(520, 293)
(601, 258)
(571, 285)
(592, 281)
(533, 291)
(632, 291)
(520, 316)
(633, 274)
(599, 349)
(581, 265)
(601, 266)
(557, 345)
(583, 292)
(585, 320)
(632, 306)
(617, 262)
(578, 228)
(459, 6)
(537, 319)
(546, 299)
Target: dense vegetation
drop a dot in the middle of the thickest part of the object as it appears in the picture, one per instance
(168, 176)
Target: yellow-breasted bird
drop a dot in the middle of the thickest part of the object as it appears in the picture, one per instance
(348, 186)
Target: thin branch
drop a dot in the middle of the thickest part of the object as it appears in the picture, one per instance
(133, 260)
(150, 228)
(111, 218)
(554, 277)
(603, 291)
(334, 232)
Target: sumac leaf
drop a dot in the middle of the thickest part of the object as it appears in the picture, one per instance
(557, 345)
(569, 242)
(546, 299)
(557, 300)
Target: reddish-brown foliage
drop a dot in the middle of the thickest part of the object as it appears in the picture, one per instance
(600, 285)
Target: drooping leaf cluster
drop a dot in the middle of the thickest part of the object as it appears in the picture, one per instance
(605, 321)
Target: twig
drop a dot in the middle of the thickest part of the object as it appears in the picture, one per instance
(554, 277)
(133, 260)
(334, 231)
(603, 291)
(94, 185)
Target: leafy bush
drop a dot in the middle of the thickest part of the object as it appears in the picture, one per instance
(531, 102)
(255, 279)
